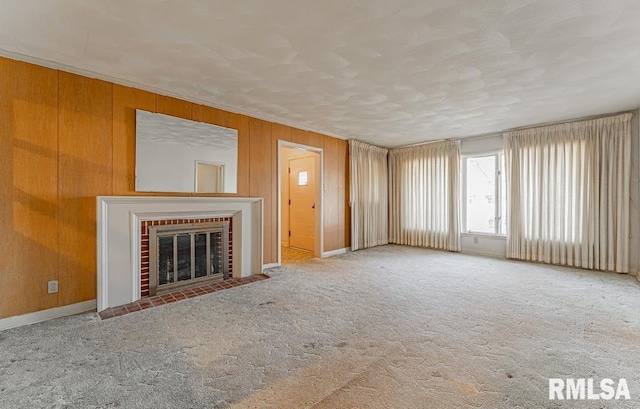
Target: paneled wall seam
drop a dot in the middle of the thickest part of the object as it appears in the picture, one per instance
(58, 198)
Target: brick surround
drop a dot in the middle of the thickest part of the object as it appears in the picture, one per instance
(144, 244)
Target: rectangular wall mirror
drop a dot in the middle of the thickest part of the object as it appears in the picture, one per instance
(178, 155)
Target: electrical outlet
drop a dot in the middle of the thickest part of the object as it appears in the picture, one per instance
(475, 240)
(52, 287)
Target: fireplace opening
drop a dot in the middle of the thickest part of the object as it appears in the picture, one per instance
(186, 254)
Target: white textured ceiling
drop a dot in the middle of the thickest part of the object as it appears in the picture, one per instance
(388, 72)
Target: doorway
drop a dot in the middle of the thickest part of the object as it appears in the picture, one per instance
(209, 177)
(300, 193)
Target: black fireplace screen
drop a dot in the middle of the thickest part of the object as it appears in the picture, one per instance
(182, 254)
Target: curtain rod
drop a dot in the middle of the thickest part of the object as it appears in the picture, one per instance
(500, 133)
(422, 143)
(568, 121)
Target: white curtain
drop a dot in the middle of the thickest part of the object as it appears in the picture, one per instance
(568, 195)
(368, 195)
(424, 205)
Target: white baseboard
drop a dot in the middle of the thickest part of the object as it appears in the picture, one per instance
(270, 265)
(335, 252)
(45, 315)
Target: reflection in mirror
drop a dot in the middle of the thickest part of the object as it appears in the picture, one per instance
(209, 177)
(178, 155)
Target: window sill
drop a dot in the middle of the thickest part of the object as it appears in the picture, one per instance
(485, 235)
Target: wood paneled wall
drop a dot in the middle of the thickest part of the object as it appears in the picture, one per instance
(29, 210)
(65, 139)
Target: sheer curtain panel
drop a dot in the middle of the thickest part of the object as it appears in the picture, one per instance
(424, 205)
(368, 195)
(568, 194)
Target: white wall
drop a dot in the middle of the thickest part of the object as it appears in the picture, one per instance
(480, 145)
(497, 246)
(168, 167)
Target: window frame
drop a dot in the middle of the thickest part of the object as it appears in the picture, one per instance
(500, 213)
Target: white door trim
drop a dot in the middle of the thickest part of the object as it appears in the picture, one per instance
(319, 239)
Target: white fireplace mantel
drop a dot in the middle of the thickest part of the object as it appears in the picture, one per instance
(119, 220)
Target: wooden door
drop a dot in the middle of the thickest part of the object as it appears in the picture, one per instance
(302, 203)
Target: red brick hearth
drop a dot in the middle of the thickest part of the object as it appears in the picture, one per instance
(149, 302)
(144, 244)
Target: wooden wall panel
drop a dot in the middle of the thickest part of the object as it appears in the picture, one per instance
(125, 102)
(174, 107)
(331, 198)
(244, 155)
(300, 136)
(316, 140)
(65, 139)
(28, 187)
(281, 132)
(214, 116)
(261, 180)
(85, 170)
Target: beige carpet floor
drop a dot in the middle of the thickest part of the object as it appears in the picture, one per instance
(391, 327)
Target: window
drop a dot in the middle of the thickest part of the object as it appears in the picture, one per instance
(303, 179)
(484, 196)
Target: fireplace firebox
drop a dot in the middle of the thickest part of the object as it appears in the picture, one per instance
(185, 254)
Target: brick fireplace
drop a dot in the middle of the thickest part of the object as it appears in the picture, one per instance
(148, 277)
(124, 247)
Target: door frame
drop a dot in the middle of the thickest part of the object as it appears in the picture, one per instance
(319, 236)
